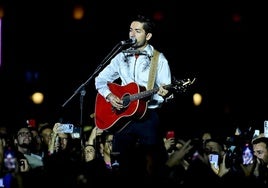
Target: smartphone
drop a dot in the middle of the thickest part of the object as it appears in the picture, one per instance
(214, 160)
(10, 159)
(68, 128)
(247, 155)
(170, 134)
(256, 133)
(265, 128)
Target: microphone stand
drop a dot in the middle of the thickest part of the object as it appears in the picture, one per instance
(81, 88)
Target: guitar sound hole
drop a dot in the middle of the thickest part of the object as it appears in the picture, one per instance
(126, 101)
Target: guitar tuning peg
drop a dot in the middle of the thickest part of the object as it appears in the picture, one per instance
(193, 80)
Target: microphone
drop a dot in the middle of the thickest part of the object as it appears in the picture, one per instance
(132, 40)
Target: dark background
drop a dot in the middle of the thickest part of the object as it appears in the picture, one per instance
(45, 49)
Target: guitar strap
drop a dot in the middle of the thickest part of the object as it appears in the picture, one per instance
(153, 69)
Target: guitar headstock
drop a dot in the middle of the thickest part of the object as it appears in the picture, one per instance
(182, 85)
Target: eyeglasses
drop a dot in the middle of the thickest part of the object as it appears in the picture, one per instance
(24, 134)
(63, 139)
(109, 141)
(259, 152)
(89, 150)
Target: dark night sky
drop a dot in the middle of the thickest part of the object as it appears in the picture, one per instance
(199, 39)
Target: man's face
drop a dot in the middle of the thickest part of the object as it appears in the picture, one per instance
(89, 153)
(24, 137)
(63, 137)
(261, 151)
(46, 135)
(108, 145)
(137, 31)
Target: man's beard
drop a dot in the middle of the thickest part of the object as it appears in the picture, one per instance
(136, 45)
(24, 145)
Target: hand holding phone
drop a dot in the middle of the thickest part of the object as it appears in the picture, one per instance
(214, 160)
(170, 141)
(24, 166)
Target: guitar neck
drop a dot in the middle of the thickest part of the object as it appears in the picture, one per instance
(179, 86)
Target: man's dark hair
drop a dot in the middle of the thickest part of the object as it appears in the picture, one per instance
(261, 140)
(44, 126)
(148, 24)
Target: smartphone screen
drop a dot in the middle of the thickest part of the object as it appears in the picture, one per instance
(247, 155)
(9, 159)
(214, 160)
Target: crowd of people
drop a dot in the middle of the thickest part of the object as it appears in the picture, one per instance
(44, 155)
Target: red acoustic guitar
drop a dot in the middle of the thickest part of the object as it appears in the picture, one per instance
(135, 99)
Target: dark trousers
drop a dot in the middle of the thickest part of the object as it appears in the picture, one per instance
(140, 147)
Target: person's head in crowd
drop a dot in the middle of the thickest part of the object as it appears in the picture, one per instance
(206, 136)
(65, 140)
(23, 139)
(89, 153)
(260, 148)
(36, 141)
(214, 145)
(106, 143)
(45, 131)
(4, 136)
